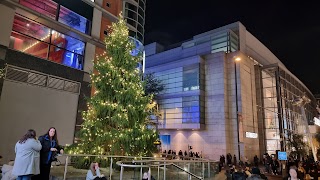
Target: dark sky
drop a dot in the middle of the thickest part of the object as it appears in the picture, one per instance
(291, 30)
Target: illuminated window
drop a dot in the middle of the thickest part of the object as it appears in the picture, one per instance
(38, 40)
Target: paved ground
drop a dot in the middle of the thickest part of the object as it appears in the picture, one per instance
(222, 176)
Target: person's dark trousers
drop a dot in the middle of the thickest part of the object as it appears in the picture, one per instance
(220, 166)
(275, 170)
(44, 171)
(24, 177)
(100, 178)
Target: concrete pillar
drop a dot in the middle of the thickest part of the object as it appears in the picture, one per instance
(96, 23)
(6, 21)
(89, 57)
(95, 32)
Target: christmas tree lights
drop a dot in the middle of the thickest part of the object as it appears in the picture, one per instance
(118, 111)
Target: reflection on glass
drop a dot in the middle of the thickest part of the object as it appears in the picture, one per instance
(46, 7)
(191, 78)
(73, 20)
(31, 28)
(32, 38)
(67, 42)
(65, 57)
(28, 45)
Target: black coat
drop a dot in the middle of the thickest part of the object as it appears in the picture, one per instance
(47, 156)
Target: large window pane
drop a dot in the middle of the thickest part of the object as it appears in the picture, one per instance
(35, 39)
(130, 6)
(46, 7)
(191, 78)
(65, 57)
(67, 42)
(31, 28)
(28, 45)
(74, 20)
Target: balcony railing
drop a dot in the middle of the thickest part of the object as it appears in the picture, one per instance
(17, 74)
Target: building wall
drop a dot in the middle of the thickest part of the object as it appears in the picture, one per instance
(219, 130)
(219, 135)
(6, 24)
(24, 107)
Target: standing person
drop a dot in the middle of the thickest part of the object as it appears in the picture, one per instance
(94, 172)
(301, 171)
(293, 174)
(256, 160)
(27, 158)
(275, 165)
(234, 160)
(50, 148)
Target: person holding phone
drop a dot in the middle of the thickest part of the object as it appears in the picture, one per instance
(94, 172)
(48, 153)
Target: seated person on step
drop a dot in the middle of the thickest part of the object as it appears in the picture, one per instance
(94, 172)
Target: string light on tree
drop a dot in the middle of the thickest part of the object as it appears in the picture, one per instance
(118, 111)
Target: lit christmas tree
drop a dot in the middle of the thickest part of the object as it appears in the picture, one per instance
(118, 115)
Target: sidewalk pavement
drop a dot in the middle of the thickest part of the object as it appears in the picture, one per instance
(222, 176)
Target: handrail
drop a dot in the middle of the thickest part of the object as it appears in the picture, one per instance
(142, 163)
(193, 175)
(120, 163)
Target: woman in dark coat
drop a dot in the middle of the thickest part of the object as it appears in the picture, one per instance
(50, 148)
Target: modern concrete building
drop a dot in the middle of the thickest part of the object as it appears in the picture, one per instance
(47, 48)
(225, 92)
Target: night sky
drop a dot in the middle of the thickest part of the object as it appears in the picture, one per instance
(291, 30)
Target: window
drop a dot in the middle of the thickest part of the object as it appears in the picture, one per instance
(191, 78)
(73, 20)
(108, 4)
(46, 7)
(66, 16)
(38, 40)
(190, 109)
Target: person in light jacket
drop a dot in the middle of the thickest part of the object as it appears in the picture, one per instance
(27, 158)
(7, 171)
(94, 172)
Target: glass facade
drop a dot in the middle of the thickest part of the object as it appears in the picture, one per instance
(280, 115)
(187, 105)
(226, 41)
(60, 13)
(38, 40)
(135, 16)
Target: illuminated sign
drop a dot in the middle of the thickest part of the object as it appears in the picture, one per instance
(282, 156)
(251, 135)
(316, 121)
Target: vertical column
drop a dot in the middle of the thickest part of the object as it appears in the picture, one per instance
(95, 33)
(6, 21)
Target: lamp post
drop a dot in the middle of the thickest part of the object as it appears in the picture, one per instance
(158, 142)
(237, 59)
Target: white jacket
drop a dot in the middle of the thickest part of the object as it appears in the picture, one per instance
(7, 173)
(27, 159)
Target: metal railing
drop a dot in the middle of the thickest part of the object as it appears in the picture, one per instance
(17, 74)
(186, 169)
(158, 166)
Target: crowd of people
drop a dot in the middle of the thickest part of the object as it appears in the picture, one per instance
(181, 154)
(296, 168)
